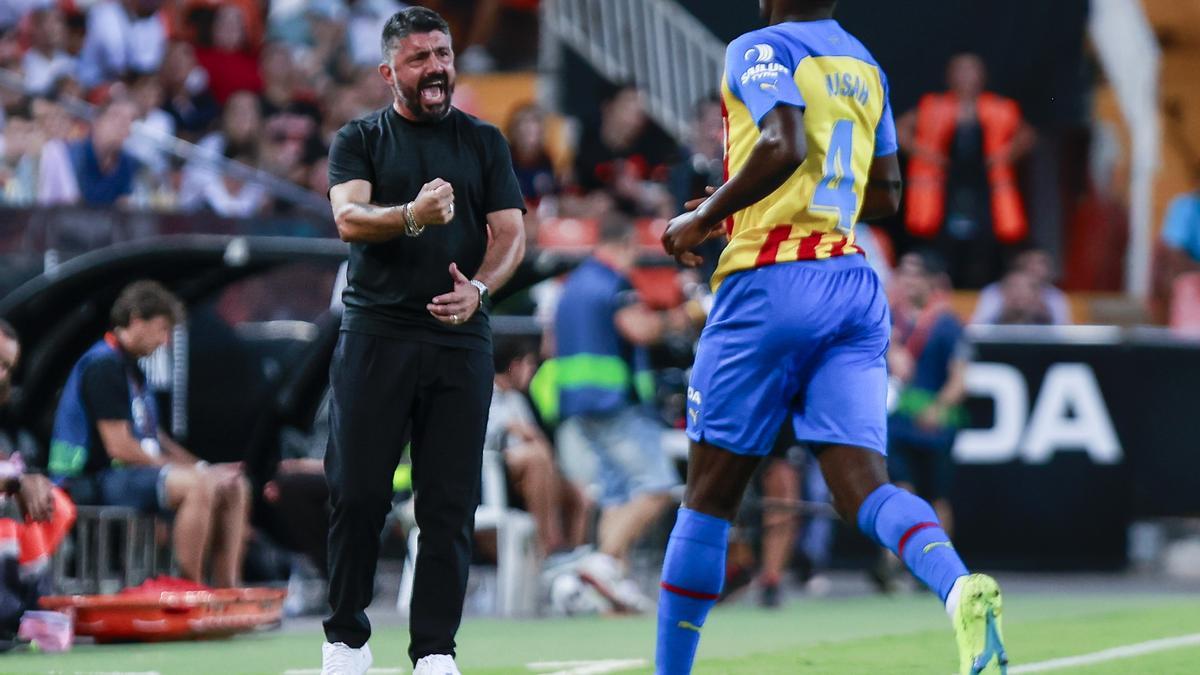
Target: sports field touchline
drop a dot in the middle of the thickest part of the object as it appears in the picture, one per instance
(1111, 654)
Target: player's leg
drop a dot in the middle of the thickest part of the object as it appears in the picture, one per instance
(694, 566)
(449, 423)
(373, 383)
(844, 414)
(743, 381)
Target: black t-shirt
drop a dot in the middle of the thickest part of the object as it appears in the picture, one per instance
(390, 283)
(105, 390)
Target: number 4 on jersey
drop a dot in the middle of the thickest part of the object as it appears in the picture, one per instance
(835, 192)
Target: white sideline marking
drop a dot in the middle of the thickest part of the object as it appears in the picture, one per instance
(587, 667)
(1114, 654)
(317, 671)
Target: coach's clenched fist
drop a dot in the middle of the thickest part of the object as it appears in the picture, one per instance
(434, 205)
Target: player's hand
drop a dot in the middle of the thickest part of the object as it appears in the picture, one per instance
(457, 306)
(687, 231)
(36, 498)
(434, 205)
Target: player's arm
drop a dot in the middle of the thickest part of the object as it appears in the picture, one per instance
(780, 150)
(778, 153)
(884, 186)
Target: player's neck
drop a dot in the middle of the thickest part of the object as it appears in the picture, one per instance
(785, 16)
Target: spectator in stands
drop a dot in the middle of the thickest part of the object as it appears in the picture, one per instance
(1022, 302)
(627, 155)
(607, 436)
(1181, 234)
(19, 146)
(240, 134)
(225, 53)
(47, 60)
(702, 164)
(558, 506)
(185, 92)
(526, 134)
(104, 171)
(107, 436)
(961, 182)
(997, 299)
(927, 362)
(231, 197)
(153, 128)
(364, 25)
(123, 37)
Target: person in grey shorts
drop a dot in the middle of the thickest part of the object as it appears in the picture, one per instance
(608, 436)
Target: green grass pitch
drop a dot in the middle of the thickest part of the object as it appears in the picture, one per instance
(909, 634)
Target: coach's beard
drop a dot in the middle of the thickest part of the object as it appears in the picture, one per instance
(429, 101)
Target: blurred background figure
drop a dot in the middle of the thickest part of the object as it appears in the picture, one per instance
(526, 133)
(927, 363)
(608, 438)
(961, 182)
(1000, 301)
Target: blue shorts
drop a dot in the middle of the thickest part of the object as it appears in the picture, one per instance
(807, 339)
(139, 487)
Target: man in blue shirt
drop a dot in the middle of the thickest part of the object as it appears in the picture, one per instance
(107, 440)
(103, 170)
(608, 436)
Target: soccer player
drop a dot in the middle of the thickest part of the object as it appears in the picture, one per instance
(800, 323)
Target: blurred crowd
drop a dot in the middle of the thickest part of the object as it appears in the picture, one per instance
(95, 94)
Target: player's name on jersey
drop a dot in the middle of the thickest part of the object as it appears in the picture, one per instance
(848, 84)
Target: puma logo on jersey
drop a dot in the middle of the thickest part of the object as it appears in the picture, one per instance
(688, 625)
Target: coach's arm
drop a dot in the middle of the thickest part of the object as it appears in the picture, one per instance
(359, 221)
(780, 150)
(883, 188)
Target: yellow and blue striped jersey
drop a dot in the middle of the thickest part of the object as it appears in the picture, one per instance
(817, 66)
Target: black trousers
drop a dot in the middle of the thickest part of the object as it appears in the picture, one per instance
(382, 388)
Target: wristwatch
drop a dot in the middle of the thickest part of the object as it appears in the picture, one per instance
(483, 290)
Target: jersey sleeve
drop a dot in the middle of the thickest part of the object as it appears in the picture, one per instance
(760, 68)
(348, 159)
(885, 131)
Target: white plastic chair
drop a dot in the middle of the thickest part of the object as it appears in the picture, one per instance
(518, 562)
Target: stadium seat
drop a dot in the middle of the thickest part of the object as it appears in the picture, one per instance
(518, 563)
(568, 235)
(104, 535)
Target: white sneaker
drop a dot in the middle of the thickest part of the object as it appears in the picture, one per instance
(606, 575)
(436, 664)
(341, 659)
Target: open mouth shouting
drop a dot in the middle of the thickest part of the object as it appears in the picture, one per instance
(434, 93)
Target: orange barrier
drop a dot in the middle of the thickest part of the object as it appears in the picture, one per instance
(171, 615)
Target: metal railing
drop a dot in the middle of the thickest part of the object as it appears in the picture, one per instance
(655, 44)
(190, 152)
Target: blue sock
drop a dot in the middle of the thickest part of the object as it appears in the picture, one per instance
(907, 526)
(693, 573)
